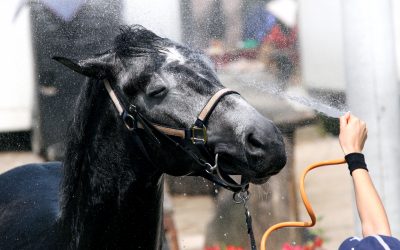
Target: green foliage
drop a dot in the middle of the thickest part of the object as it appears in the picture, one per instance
(330, 125)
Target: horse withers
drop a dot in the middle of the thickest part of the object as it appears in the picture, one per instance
(150, 106)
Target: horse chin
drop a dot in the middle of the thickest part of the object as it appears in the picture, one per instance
(262, 178)
(259, 181)
(235, 166)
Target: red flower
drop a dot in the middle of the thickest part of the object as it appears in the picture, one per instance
(233, 248)
(318, 241)
(287, 246)
(228, 247)
(216, 247)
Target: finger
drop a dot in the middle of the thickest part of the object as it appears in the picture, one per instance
(343, 120)
(362, 125)
(364, 140)
(347, 115)
(354, 120)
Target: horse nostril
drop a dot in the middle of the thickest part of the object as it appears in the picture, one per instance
(253, 141)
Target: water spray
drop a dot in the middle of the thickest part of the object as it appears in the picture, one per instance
(319, 104)
(306, 202)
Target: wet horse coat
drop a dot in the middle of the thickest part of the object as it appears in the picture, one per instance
(107, 194)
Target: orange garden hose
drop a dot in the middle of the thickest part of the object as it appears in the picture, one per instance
(305, 201)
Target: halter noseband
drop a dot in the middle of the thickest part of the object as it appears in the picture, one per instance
(196, 135)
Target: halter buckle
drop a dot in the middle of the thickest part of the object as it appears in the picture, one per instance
(199, 135)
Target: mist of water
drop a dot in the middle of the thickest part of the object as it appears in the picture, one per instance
(318, 104)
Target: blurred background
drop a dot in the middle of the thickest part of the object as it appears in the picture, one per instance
(301, 63)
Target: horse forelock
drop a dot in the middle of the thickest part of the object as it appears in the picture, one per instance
(136, 40)
(150, 52)
(173, 55)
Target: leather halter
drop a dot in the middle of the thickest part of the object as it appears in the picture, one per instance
(196, 135)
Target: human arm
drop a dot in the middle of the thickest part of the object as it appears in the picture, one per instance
(353, 133)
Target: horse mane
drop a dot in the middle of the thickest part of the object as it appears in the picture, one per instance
(90, 102)
(78, 136)
(97, 166)
(97, 169)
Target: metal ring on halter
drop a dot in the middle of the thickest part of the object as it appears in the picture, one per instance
(241, 197)
(210, 169)
(129, 121)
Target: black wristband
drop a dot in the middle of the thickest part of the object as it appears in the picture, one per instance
(355, 161)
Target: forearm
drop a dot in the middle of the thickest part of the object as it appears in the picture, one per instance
(370, 208)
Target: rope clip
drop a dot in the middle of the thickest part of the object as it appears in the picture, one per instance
(241, 197)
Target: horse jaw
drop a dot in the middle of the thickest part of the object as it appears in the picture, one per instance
(248, 143)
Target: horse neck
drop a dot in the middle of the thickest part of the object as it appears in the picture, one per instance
(110, 196)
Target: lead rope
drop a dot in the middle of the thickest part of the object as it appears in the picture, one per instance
(306, 202)
(241, 198)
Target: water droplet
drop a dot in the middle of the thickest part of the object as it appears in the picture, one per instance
(226, 235)
(293, 243)
(221, 216)
(216, 191)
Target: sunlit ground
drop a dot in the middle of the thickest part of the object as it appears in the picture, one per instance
(8, 160)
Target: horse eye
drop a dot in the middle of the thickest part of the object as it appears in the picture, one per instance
(156, 92)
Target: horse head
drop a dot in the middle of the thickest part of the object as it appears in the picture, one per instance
(169, 85)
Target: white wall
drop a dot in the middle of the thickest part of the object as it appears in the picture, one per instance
(16, 68)
(321, 44)
(160, 16)
(396, 17)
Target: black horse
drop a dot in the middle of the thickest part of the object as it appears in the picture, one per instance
(107, 194)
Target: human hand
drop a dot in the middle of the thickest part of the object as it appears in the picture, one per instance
(353, 133)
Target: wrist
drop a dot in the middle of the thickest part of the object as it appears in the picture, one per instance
(355, 161)
(351, 151)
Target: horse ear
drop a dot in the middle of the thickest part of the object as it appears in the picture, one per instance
(97, 67)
